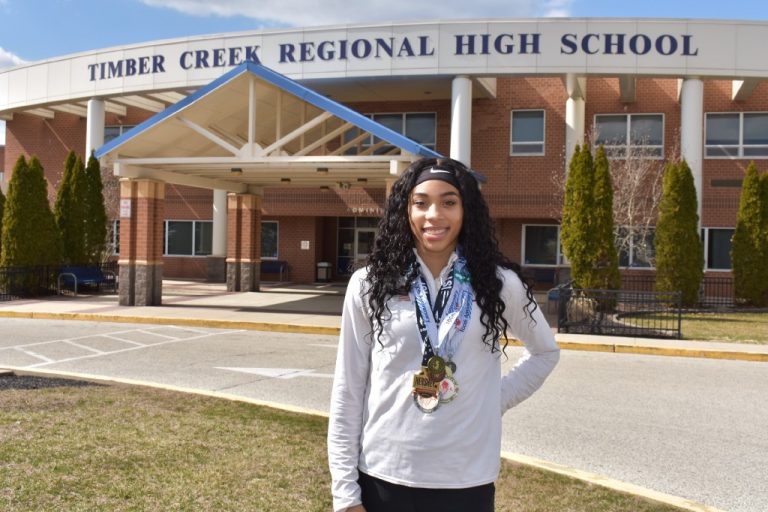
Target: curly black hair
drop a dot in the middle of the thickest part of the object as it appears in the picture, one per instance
(391, 264)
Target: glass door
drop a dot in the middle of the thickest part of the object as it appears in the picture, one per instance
(364, 238)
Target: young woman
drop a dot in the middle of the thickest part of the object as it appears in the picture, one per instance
(418, 394)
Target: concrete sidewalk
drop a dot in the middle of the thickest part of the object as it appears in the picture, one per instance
(313, 309)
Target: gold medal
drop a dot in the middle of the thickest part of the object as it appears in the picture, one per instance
(436, 368)
(423, 385)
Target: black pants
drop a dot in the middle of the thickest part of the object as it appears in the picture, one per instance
(380, 496)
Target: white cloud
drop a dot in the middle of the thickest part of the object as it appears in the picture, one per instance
(7, 59)
(327, 12)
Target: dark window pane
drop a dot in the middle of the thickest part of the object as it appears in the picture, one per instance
(269, 239)
(180, 237)
(346, 243)
(528, 126)
(719, 250)
(420, 128)
(611, 130)
(647, 130)
(203, 238)
(755, 128)
(756, 151)
(527, 149)
(541, 245)
(722, 129)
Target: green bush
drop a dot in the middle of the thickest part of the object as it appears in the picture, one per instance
(30, 236)
(679, 252)
(69, 210)
(2, 209)
(749, 253)
(95, 213)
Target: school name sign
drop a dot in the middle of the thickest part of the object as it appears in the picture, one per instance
(607, 47)
(406, 47)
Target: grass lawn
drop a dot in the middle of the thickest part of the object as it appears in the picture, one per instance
(122, 448)
(740, 327)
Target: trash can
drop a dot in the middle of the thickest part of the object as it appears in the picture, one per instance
(323, 271)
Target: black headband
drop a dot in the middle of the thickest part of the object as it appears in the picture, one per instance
(438, 173)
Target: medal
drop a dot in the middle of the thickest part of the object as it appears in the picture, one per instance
(436, 368)
(449, 388)
(452, 366)
(423, 385)
(426, 404)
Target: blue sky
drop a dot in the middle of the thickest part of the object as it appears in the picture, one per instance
(32, 30)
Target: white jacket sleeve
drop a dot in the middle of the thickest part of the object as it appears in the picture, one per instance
(348, 398)
(541, 352)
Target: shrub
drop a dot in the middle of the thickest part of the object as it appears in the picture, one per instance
(748, 251)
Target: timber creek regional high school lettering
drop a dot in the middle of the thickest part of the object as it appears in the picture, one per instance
(402, 48)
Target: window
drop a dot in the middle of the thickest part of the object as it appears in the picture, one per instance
(717, 242)
(114, 131)
(188, 237)
(631, 135)
(541, 245)
(527, 132)
(269, 230)
(419, 127)
(637, 250)
(114, 237)
(737, 135)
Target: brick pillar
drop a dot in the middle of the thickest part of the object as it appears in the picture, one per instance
(243, 242)
(142, 212)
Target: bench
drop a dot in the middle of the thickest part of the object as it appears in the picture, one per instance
(274, 267)
(74, 276)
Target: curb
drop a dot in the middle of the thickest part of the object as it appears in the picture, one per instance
(610, 483)
(592, 478)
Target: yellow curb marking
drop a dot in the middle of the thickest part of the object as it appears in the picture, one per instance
(610, 483)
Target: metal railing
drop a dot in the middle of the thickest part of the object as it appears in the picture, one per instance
(26, 282)
(714, 291)
(619, 312)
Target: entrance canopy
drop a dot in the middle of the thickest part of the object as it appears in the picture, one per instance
(253, 128)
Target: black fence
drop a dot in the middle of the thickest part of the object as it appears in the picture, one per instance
(27, 282)
(714, 292)
(634, 313)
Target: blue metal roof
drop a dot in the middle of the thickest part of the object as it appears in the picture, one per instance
(289, 86)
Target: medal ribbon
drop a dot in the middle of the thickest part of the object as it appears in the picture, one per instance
(442, 326)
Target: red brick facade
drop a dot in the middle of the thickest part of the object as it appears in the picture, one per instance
(519, 190)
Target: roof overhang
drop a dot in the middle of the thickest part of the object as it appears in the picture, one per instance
(254, 128)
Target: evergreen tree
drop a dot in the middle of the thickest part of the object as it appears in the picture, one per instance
(605, 267)
(577, 203)
(748, 253)
(95, 213)
(2, 209)
(69, 210)
(30, 237)
(679, 253)
(587, 225)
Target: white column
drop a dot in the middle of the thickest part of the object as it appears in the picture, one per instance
(574, 126)
(461, 120)
(692, 130)
(94, 130)
(574, 114)
(219, 242)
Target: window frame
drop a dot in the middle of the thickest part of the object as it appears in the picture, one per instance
(560, 259)
(192, 246)
(740, 146)
(277, 240)
(628, 147)
(543, 141)
(632, 252)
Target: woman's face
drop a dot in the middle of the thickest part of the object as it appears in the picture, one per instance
(436, 214)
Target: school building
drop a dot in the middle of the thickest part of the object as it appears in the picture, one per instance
(267, 154)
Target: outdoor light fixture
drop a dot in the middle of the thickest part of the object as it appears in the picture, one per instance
(322, 169)
(285, 180)
(362, 180)
(236, 170)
